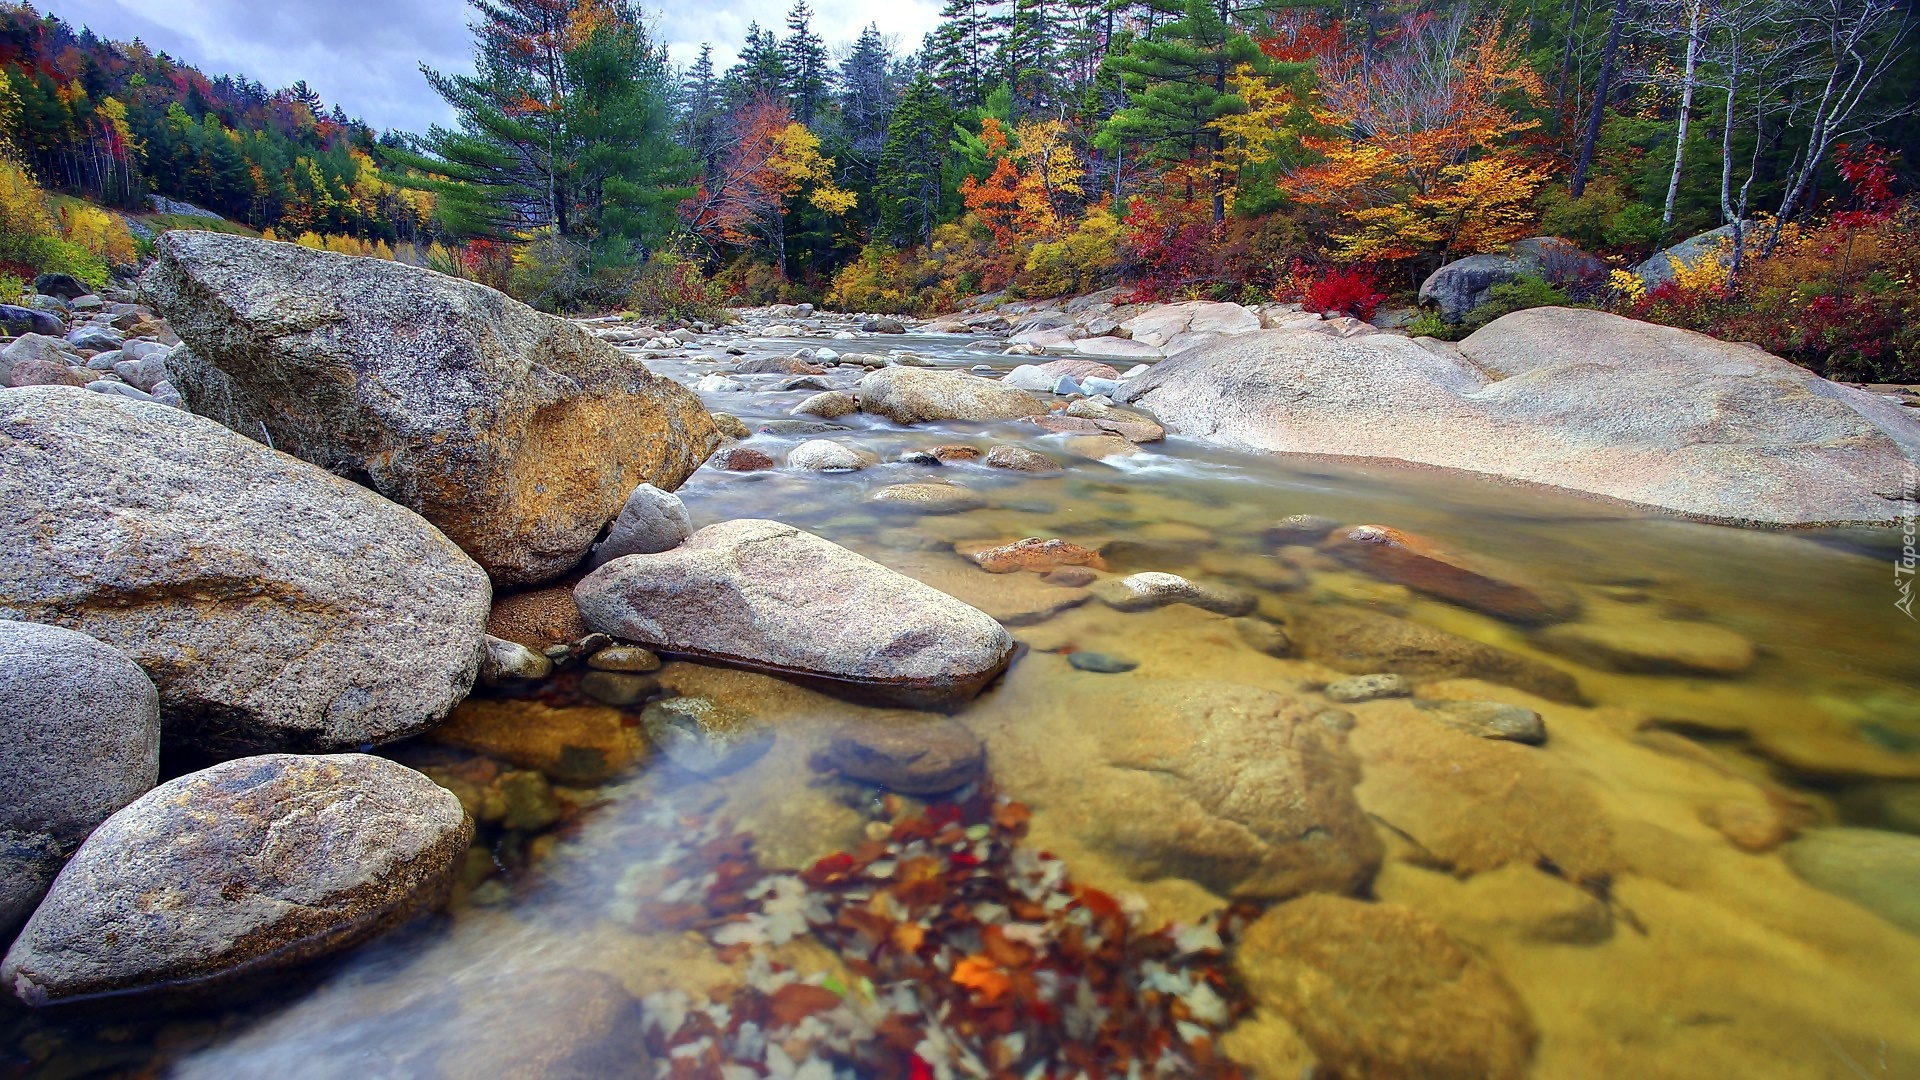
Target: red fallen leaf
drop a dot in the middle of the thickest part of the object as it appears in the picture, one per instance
(795, 1002)
(829, 871)
(872, 928)
(965, 860)
(918, 1069)
(944, 814)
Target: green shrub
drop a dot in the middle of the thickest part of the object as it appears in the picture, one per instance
(1430, 324)
(671, 288)
(53, 255)
(1512, 296)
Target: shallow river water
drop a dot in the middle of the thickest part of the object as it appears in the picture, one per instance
(1652, 892)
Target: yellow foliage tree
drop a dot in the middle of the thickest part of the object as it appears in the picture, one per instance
(797, 158)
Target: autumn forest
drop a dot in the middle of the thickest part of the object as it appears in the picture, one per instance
(1331, 154)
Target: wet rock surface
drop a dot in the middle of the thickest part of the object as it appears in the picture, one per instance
(912, 396)
(1420, 564)
(254, 864)
(1363, 642)
(909, 754)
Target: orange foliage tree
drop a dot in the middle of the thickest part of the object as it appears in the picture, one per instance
(1035, 180)
(774, 159)
(1417, 148)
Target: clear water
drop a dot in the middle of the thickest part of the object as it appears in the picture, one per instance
(1677, 953)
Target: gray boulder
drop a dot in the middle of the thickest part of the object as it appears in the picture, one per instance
(1582, 400)
(81, 726)
(651, 521)
(1462, 285)
(276, 606)
(118, 388)
(96, 338)
(64, 286)
(917, 395)
(519, 434)
(144, 371)
(883, 325)
(252, 865)
(1658, 268)
(17, 320)
(52, 350)
(764, 595)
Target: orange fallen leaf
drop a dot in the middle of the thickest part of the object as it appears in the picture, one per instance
(978, 974)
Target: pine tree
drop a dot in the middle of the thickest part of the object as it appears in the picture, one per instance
(1024, 61)
(1176, 79)
(867, 91)
(703, 112)
(805, 58)
(760, 71)
(909, 187)
(958, 51)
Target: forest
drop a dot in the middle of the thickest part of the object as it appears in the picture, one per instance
(1331, 154)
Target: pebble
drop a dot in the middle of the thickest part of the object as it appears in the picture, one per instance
(1100, 663)
(1072, 577)
(740, 459)
(910, 757)
(507, 661)
(1300, 529)
(1263, 636)
(929, 498)
(1368, 688)
(731, 426)
(1141, 592)
(825, 455)
(1489, 719)
(617, 688)
(624, 658)
(1021, 459)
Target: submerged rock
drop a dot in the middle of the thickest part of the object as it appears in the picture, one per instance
(518, 434)
(1880, 871)
(703, 736)
(1652, 647)
(1142, 592)
(825, 455)
(274, 605)
(765, 595)
(917, 395)
(509, 661)
(255, 864)
(651, 520)
(1362, 642)
(1368, 688)
(912, 756)
(80, 724)
(928, 498)
(1417, 563)
(1377, 990)
(579, 744)
(1491, 720)
(1037, 554)
(1020, 459)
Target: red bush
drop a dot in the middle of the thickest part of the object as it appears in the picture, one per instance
(1344, 291)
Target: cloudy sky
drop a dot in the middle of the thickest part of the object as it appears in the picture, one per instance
(365, 54)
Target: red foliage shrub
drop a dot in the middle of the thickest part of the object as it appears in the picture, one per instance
(1343, 291)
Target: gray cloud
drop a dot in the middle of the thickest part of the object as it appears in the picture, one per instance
(365, 54)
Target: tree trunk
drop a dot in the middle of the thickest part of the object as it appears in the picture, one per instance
(1696, 18)
(1578, 186)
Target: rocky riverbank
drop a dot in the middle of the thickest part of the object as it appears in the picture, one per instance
(409, 577)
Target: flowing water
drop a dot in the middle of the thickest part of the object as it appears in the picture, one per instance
(1619, 894)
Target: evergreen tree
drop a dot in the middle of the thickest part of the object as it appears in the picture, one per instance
(1028, 39)
(703, 112)
(958, 50)
(908, 187)
(1176, 79)
(867, 91)
(760, 71)
(805, 58)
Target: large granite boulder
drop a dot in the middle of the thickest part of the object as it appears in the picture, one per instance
(760, 594)
(519, 434)
(1246, 791)
(1462, 285)
(1582, 400)
(1714, 243)
(80, 728)
(249, 866)
(275, 605)
(916, 395)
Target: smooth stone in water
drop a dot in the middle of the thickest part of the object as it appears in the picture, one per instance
(651, 520)
(1141, 592)
(249, 866)
(1359, 641)
(764, 595)
(928, 498)
(910, 756)
(617, 688)
(825, 455)
(1263, 636)
(624, 658)
(831, 405)
(702, 736)
(1491, 720)
(740, 459)
(1020, 459)
(1686, 648)
(1392, 555)
(1100, 663)
(1300, 529)
(1368, 688)
(1880, 871)
(916, 395)
(509, 661)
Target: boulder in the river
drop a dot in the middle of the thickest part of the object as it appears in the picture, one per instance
(826, 455)
(249, 866)
(1463, 284)
(577, 744)
(274, 605)
(829, 405)
(928, 498)
(1153, 589)
(1364, 642)
(917, 395)
(1020, 459)
(80, 724)
(1469, 581)
(764, 595)
(517, 433)
(1582, 400)
(1379, 990)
